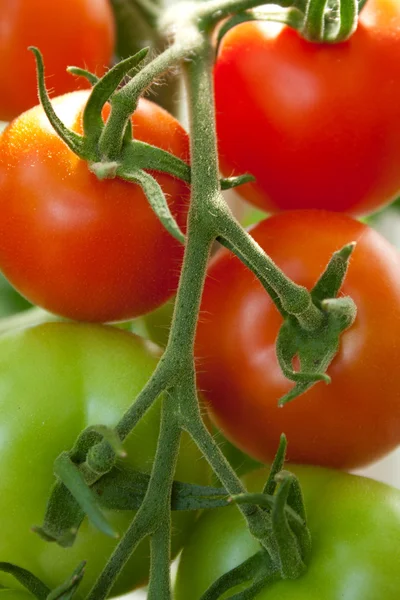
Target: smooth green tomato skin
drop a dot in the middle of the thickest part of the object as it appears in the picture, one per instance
(55, 380)
(355, 529)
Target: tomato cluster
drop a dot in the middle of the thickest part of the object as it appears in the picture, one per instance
(318, 126)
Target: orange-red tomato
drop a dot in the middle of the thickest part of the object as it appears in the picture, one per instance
(86, 249)
(346, 424)
(76, 32)
(318, 125)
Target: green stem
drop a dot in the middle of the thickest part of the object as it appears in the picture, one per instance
(250, 266)
(205, 186)
(125, 100)
(213, 11)
(193, 424)
(154, 387)
(155, 509)
(294, 299)
(206, 202)
(160, 581)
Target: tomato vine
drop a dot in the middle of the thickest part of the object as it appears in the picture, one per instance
(318, 316)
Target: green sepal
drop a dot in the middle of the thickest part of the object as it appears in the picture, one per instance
(314, 20)
(342, 311)
(124, 489)
(265, 501)
(276, 467)
(253, 590)
(348, 19)
(326, 24)
(101, 457)
(32, 583)
(93, 79)
(74, 141)
(140, 155)
(62, 519)
(88, 75)
(67, 589)
(228, 183)
(316, 348)
(296, 502)
(331, 280)
(93, 124)
(86, 439)
(314, 351)
(74, 481)
(93, 457)
(289, 551)
(157, 200)
(243, 573)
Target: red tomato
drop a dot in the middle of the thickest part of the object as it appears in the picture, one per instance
(318, 125)
(86, 249)
(77, 32)
(346, 424)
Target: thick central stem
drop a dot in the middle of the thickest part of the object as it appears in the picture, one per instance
(205, 189)
(207, 203)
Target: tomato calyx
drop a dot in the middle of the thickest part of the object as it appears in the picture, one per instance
(282, 501)
(89, 481)
(110, 148)
(316, 21)
(315, 345)
(313, 321)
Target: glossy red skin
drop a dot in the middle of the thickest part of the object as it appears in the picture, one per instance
(352, 421)
(77, 32)
(86, 249)
(318, 125)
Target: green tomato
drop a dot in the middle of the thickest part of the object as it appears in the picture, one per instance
(55, 380)
(355, 529)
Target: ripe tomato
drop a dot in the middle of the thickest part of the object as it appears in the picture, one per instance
(77, 32)
(318, 125)
(348, 423)
(355, 528)
(86, 249)
(55, 380)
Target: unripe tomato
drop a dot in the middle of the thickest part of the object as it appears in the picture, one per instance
(56, 380)
(355, 528)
